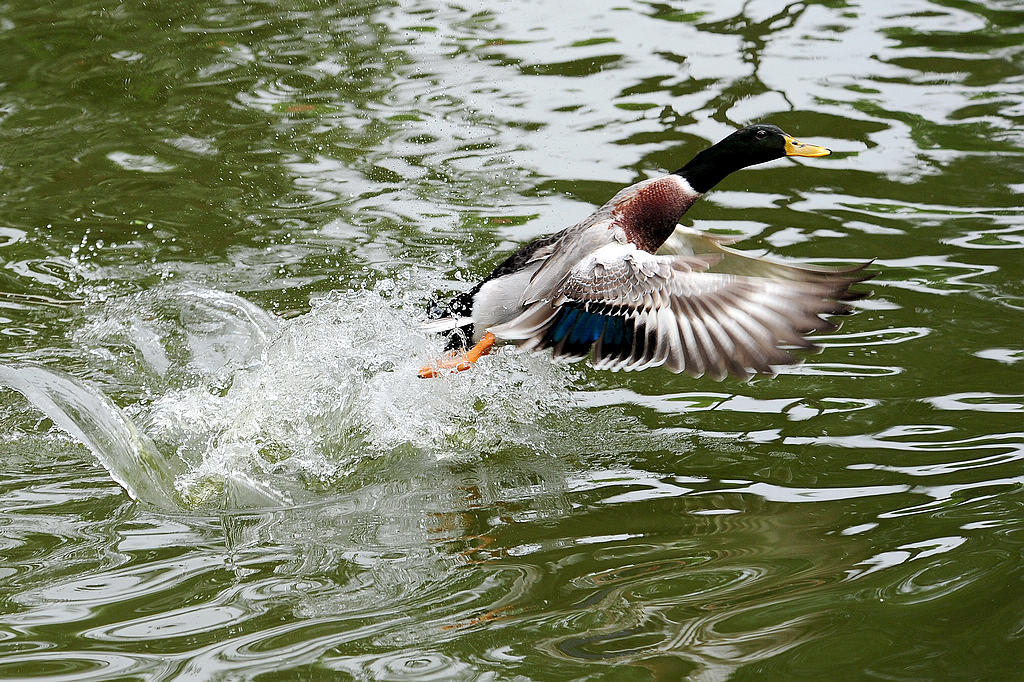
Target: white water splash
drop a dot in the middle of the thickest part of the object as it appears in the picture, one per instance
(237, 408)
(89, 416)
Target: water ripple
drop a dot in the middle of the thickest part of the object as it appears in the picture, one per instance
(984, 402)
(80, 665)
(175, 218)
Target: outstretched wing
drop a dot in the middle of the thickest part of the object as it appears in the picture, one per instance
(639, 310)
(686, 241)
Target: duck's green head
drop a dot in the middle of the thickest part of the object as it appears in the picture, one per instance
(748, 146)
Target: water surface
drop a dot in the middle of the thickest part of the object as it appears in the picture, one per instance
(219, 229)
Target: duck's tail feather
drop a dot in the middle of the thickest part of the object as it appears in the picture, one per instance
(445, 324)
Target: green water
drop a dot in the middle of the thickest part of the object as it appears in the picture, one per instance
(220, 225)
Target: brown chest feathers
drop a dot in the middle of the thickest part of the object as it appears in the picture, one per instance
(650, 213)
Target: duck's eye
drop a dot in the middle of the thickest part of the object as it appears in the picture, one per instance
(761, 134)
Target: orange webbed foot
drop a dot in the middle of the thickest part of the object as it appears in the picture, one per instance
(458, 362)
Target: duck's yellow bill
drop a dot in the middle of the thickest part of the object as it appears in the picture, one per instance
(797, 148)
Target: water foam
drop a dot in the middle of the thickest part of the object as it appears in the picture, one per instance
(249, 410)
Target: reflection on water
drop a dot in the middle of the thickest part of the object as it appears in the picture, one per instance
(220, 226)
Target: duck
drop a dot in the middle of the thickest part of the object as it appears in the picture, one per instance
(632, 289)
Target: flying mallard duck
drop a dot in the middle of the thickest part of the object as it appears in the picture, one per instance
(639, 291)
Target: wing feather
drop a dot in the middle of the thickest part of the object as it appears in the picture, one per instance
(635, 310)
(687, 241)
